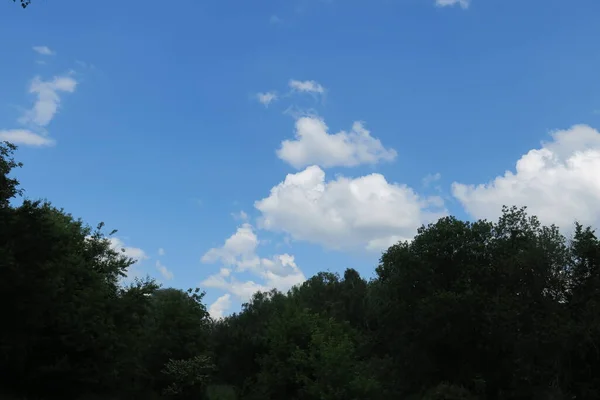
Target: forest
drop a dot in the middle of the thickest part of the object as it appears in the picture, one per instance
(466, 310)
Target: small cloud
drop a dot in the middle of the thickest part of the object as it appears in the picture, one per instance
(313, 144)
(306, 86)
(164, 271)
(266, 98)
(449, 3)
(161, 252)
(40, 62)
(275, 20)
(25, 137)
(135, 253)
(48, 99)
(237, 255)
(240, 216)
(220, 306)
(430, 178)
(43, 50)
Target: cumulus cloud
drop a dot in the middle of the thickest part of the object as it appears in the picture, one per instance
(448, 3)
(25, 137)
(43, 50)
(165, 272)
(39, 116)
(220, 306)
(345, 212)
(48, 99)
(135, 253)
(314, 145)
(266, 98)
(306, 86)
(558, 182)
(239, 252)
(239, 249)
(161, 252)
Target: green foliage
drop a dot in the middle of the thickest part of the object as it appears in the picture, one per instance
(9, 187)
(188, 377)
(493, 310)
(24, 3)
(446, 391)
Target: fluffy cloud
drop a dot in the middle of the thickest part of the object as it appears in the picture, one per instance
(135, 253)
(161, 252)
(447, 3)
(48, 99)
(345, 213)
(306, 86)
(220, 306)
(314, 145)
(25, 137)
(239, 251)
(164, 271)
(266, 98)
(557, 182)
(42, 112)
(43, 50)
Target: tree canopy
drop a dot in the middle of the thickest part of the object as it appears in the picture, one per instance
(24, 3)
(466, 310)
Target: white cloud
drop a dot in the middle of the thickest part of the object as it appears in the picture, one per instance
(448, 3)
(48, 99)
(266, 98)
(220, 306)
(164, 271)
(43, 50)
(25, 137)
(274, 19)
(313, 145)
(430, 178)
(161, 252)
(135, 253)
(240, 216)
(239, 251)
(345, 213)
(42, 112)
(558, 182)
(306, 86)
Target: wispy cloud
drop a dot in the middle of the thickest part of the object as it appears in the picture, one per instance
(430, 178)
(164, 271)
(25, 137)
(306, 86)
(275, 20)
(266, 98)
(448, 3)
(42, 112)
(43, 50)
(48, 99)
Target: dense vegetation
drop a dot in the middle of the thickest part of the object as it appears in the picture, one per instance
(482, 310)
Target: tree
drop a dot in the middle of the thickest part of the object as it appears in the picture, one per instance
(24, 3)
(9, 187)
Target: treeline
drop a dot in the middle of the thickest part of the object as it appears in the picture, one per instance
(484, 310)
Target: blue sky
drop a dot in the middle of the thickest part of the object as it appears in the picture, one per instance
(337, 127)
